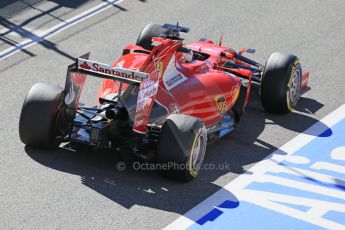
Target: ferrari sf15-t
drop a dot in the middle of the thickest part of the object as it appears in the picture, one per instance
(163, 100)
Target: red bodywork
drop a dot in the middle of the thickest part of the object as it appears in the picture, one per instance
(199, 88)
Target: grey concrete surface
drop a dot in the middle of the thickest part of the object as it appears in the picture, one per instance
(71, 190)
(22, 19)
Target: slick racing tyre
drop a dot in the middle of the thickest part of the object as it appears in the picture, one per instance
(38, 118)
(181, 147)
(281, 83)
(150, 31)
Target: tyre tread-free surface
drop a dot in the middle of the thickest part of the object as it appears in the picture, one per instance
(175, 145)
(274, 86)
(38, 115)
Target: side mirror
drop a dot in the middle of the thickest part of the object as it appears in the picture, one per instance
(157, 41)
(247, 50)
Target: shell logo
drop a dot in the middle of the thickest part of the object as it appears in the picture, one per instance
(159, 67)
(221, 104)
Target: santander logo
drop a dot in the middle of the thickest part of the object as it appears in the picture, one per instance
(106, 69)
(85, 65)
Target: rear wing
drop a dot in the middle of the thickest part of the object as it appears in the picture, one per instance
(77, 73)
(148, 86)
(101, 70)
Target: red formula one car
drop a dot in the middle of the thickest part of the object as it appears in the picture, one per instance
(162, 100)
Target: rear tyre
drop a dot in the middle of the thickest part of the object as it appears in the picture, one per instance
(182, 147)
(38, 118)
(151, 30)
(281, 83)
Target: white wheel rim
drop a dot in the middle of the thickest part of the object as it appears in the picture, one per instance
(198, 152)
(295, 87)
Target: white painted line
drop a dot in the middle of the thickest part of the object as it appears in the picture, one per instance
(14, 34)
(257, 172)
(34, 38)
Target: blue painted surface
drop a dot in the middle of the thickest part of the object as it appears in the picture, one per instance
(335, 216)
(245, 215)
(248, 216)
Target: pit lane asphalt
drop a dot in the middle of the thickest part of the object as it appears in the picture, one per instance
(64, 189)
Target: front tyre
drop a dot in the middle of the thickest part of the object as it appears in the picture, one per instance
(181, 147)
(151, 30)
(38, 118)
(281, 83)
